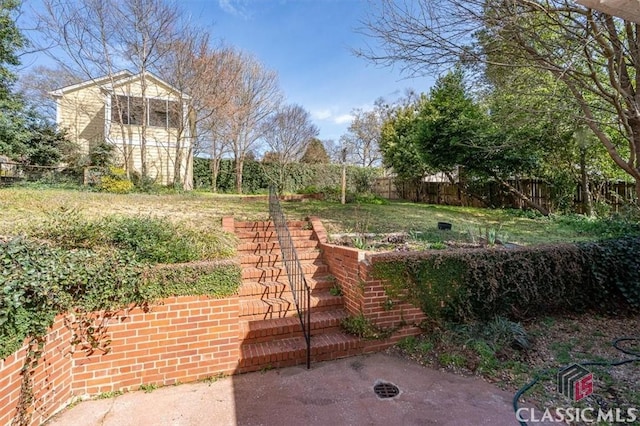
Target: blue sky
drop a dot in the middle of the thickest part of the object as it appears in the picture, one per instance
(307, 42)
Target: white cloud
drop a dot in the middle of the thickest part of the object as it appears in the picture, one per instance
(343, 118)
(331, 115)
(322, 114)
(234, 7)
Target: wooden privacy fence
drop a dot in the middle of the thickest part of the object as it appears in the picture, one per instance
(540, 192)
(12, 171)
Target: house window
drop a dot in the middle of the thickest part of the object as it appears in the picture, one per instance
(130, 110)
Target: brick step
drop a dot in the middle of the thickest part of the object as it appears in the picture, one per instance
(283, 306)
(267, 225)
(276, 273)
(268, 247)
(271, 289)
(267, 290)
(268, 330)
(292, 351)
(274, 259)
(258, 236)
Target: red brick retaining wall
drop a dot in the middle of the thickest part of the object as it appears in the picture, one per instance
(182, 339)
(364, 294)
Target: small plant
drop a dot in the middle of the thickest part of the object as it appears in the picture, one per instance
(109, 395)
(148, 387)
(488, 361)
(387, 305)
(438, 245)
(215, 378)
(360, 243)
(491, 234)
(361, 326)
(266, 368)
(452, 360)
(408, 344)
(425, 347)
(471, 235)
(336, 290)
(503, 332)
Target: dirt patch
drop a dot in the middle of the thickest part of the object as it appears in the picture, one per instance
(552, 343)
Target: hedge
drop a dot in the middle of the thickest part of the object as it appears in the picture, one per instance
(479, 284)
(300, 177)
(38, 282)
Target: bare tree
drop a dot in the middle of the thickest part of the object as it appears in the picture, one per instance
(146, 31)
(219, 127)
(99, 37)
(207, 74)
(255, 95)
(287, 133)
(596, 56)
(38, 82)
(363, 136)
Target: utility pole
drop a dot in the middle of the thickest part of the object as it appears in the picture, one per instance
(343, 158)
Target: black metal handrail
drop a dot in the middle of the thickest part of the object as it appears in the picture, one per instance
(297, 282)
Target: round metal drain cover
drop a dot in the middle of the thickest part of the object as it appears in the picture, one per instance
(386, 390)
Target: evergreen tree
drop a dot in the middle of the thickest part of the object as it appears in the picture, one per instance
(316, 153)
(12, 128)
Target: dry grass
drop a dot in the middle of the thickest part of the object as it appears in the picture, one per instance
(22, 207)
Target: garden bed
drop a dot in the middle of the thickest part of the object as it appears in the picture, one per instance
(415, 241)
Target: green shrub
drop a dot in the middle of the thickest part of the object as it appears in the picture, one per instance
(480, 284)
(148, 239)
(39, 281)
(369, 198)
(116, 181)
(68, 228)
(615, 266)
(217, 279)
(605, 227)
(153, 240)
(300, 177)
(158, 240)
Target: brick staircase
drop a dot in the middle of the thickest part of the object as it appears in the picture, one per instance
(271, 334)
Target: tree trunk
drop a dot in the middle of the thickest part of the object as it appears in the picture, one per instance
(528, 201)
(215, 171)
(587, 205)
(463, 187)
(143, 128)
(239, 167)
(343, 198)
(177, 164)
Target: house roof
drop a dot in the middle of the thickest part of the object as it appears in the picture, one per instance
(109, 83)
(92, 82)
(628, 10)
(109, 86)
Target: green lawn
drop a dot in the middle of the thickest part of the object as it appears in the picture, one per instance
(22, 207)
